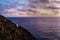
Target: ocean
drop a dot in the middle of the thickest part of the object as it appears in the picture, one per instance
(40, 27)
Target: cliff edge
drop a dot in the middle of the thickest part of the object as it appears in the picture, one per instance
(10, 31)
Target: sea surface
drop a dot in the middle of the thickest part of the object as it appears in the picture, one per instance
(40, 27)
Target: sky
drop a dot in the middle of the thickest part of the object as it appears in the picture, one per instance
(19, 8)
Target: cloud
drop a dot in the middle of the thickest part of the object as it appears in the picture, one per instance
(51, 7)
(44, 1)
(39, 1)
(27, 7)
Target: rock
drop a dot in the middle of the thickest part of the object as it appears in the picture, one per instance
(9, 31)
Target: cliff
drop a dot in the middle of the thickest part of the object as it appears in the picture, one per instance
(10, 31)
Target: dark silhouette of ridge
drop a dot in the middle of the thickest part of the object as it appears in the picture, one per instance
(10, 31)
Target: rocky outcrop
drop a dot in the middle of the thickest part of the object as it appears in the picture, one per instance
(9, 31)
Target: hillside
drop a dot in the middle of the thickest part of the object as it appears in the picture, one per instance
(10, 31)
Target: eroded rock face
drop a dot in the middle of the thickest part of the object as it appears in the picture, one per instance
(9, 31)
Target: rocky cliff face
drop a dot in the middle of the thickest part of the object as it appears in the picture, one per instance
(9, 31)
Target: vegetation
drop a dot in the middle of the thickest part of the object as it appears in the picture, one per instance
(9, 31)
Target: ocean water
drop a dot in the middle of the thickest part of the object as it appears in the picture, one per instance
(40, 27)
